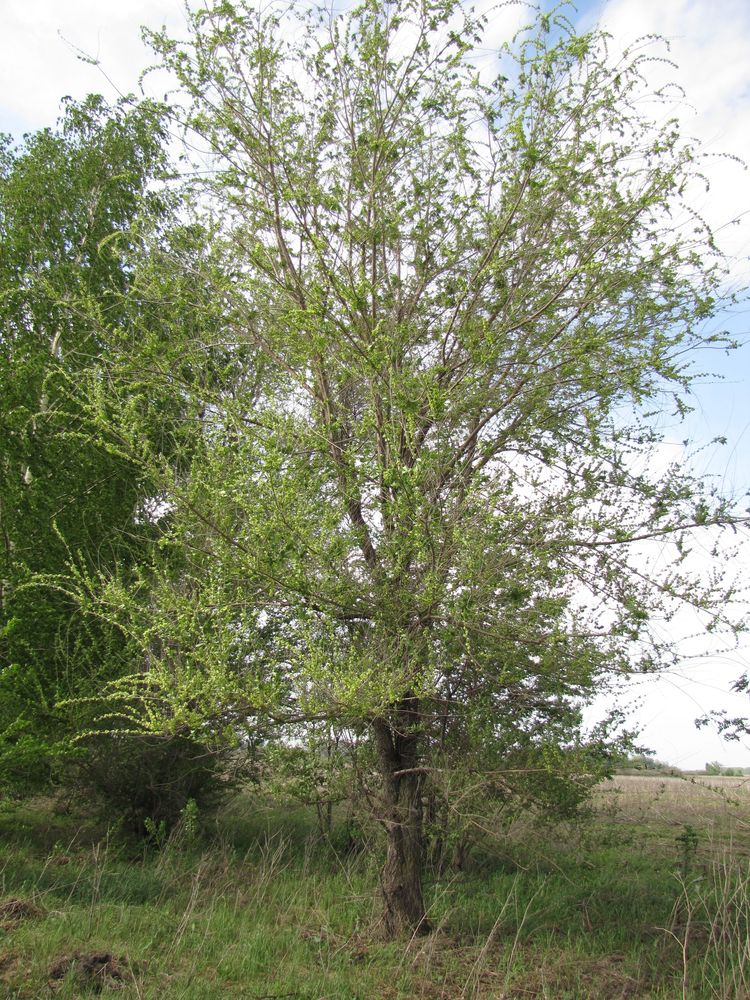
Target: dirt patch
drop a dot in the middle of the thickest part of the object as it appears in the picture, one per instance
(8, 964)
(92, 970)
(584, 977)
(444, 968)
(13, 911)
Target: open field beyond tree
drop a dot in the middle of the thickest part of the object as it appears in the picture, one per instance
(647, 897)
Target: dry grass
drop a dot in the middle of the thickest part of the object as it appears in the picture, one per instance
(717, 807)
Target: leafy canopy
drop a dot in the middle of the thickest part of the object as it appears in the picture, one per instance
(446, 301)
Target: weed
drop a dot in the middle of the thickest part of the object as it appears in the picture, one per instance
(156, 832)
(687, 842)
(189, 818)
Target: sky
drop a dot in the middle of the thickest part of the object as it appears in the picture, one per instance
(42, 43)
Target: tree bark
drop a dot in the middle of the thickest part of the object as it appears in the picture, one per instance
(397, 741)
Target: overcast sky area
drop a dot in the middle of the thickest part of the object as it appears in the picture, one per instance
(40, 43)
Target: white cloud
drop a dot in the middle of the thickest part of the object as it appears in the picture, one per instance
(708, 43)
(39, 63)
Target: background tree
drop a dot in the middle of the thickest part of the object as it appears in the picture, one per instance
(88, 222)
(465, 291)
(70, 201)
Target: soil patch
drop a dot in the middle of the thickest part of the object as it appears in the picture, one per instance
(93, 970)
(586, 977)
(8, 965)
(14, 910)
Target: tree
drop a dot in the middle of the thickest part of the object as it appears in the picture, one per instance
(70, 204)
(428, 518)
(89, 220)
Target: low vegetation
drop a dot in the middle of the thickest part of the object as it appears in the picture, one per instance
(645, 897)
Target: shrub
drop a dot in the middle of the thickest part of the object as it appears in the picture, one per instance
(147, 781)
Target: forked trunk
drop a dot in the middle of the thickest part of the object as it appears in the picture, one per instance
(397, 743)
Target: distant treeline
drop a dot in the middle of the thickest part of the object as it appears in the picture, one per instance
(645, 762)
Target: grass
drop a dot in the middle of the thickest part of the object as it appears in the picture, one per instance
(647, 898)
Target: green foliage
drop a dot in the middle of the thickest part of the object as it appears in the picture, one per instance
(440, 490)
(717, 768)
(687, 842)
(190, 819)
(646, 762)
(402, 472)
(156, 832)
(319, 768)
(101, 263)
(146, 782)
(72, 204)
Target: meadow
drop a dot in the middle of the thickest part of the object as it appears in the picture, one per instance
(648, 896)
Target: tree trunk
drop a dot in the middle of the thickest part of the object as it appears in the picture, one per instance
(397, 742)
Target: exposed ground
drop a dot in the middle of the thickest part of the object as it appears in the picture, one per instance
(649, 898)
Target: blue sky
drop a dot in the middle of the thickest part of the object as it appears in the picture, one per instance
(39, 63)
(709, 42)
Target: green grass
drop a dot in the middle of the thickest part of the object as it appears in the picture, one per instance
(647, 898)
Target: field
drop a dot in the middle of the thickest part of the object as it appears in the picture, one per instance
(647, 897)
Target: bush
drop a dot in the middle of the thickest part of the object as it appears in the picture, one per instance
(146, 782)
